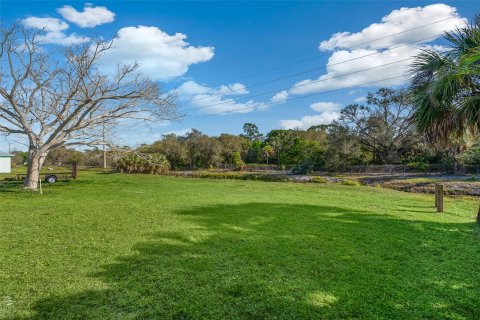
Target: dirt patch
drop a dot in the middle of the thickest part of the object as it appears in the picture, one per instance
(463, 185)
(450, 188)
(466, 185)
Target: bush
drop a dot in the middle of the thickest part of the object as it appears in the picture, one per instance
(237, 161)
(19, 158)
(419, 165)
(347, 182)
(318, 180)
(154, 163)
(472, 155)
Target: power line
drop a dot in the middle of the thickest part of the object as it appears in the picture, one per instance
(355, 46)
(301, 85)
(297, 98)
(315, 81)
(360, 44)
(314, 69)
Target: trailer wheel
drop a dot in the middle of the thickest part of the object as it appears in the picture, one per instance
(51, 178)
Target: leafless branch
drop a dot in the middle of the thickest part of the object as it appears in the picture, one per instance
(57, 99)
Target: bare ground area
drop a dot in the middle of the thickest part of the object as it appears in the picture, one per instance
(468, 185)
(459, 184)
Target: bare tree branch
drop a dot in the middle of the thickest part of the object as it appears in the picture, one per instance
(57, 99)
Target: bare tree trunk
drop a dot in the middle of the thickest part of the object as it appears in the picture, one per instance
(51, 99)
(35, 163)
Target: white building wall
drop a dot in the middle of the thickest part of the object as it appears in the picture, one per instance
(5, 164)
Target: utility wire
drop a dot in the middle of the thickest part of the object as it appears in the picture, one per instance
(310, 70)
(355, 46)
(315, 81)
(301, 85)
(324, 67)
(297, 98)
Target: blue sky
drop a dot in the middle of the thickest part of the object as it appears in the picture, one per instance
(212, 52)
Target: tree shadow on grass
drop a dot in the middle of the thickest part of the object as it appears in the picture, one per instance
(10, 186)
(17, 186)
(284, 261)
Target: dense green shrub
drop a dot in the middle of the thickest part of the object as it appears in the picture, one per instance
(472, 155)
(419, 165)
(347, 182)
(19, 158)
(237, 161)
(154, 163)
(217, 175)
(318, 180)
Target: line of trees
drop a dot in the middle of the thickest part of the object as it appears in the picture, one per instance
(381, 131)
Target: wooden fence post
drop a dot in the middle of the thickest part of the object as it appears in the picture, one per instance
(74, 170)
(439, 197)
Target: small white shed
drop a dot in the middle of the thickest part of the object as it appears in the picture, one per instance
(5, 162)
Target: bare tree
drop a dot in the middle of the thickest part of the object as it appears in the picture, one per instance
(56, 99)
(383, 126)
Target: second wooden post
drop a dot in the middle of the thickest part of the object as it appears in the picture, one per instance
(439, 197)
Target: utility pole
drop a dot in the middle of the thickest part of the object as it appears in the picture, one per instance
(104, 148)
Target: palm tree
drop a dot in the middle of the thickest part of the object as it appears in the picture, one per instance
(446, 87)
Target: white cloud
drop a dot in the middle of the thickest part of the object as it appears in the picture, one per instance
(308, 121)
(386, 58)
(233, 89)
(221, 105)
(280, 97)
(399, 21)
(215, 100)
(160, 56)
(360, 100)
(328, 113)
(325, 106)
(63, 39)
(352, 70)
(90, 16)
(54, 31)
(48, 24)
(190, 89)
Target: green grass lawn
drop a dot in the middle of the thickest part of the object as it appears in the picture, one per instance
(111, 246)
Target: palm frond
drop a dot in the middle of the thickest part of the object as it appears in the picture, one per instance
(470, 112)
(464, 39)
(446, 86)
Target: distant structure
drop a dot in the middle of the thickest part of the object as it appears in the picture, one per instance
(5, 162)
